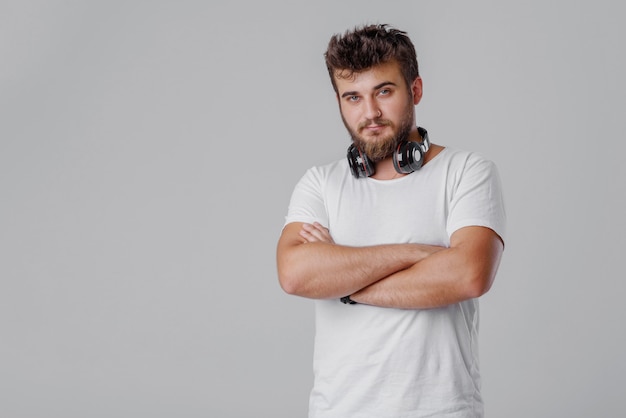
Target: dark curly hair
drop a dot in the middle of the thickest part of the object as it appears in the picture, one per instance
(366, 46)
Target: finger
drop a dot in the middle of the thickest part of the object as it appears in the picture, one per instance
(307, 237)
(319, 232)
(324, 231)
(316, 232)
(309, 233)
(321, 229)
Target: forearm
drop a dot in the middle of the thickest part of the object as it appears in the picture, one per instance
(311, 265)
(458, 273)
(423, 285)
(322, 270)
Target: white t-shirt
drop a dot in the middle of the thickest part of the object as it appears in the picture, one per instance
(372, 362)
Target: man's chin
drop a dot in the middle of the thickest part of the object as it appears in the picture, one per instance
(381, 151)
(377, 158)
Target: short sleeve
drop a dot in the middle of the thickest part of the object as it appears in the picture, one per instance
(477, 198)
(307, 200)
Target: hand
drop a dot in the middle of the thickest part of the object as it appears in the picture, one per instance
(315, 232)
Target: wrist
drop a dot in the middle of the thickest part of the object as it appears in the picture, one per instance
(347, 300)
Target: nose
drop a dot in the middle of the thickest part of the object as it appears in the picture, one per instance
(372, 111)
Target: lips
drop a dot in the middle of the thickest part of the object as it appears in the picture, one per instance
(374, 125)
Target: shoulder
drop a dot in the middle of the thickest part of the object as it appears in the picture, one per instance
(323, 173)
(460, 160)
(460, 156)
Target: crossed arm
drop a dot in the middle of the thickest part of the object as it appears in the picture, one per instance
(410, 276)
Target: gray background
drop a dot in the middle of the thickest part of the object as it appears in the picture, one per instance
(148, 150)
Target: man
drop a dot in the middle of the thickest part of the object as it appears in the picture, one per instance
(395, 245)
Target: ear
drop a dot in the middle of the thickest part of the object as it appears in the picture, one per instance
(416, 89)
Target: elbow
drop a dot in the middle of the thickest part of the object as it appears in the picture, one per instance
(480, 277)
(288, 285)
(478, 284)
(290, 269)
(288, 281)
(477, 289)
(296, 282)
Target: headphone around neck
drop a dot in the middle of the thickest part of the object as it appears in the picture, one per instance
(408, 157)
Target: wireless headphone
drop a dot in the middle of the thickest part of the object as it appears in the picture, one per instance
(408, 157)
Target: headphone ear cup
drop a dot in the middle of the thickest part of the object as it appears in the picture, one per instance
(360, 164)
(408, 157)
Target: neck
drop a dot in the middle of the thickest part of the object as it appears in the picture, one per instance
(386, 171)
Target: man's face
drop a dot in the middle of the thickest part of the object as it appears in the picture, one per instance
(377, 108)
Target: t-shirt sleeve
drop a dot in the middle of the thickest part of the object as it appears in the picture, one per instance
(307, 200)
(477, 198)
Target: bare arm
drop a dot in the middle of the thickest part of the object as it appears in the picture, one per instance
(310, 264)
(463, 271)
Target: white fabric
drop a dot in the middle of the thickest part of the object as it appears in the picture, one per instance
(380, 362)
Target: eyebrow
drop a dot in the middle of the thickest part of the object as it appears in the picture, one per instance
(376, 87)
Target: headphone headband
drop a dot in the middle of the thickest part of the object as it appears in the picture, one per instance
(425, 142)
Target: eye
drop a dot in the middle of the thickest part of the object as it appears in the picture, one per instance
(353, 98)
(384, 92)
